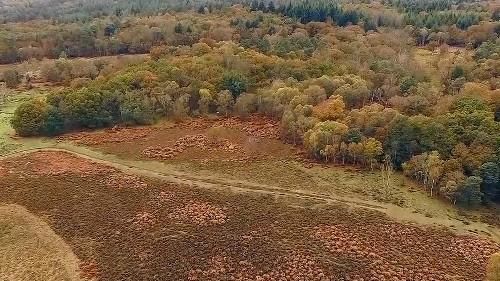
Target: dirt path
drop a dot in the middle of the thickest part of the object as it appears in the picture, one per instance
(168, 173)
(30, 250)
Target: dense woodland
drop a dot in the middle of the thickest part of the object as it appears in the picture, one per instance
(345, 79)
(129, 27)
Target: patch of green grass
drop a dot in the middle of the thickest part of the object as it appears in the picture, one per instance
(281, 173)
(8, 105)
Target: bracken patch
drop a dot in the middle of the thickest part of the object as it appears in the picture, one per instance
(177, 232)
(254, 126)
(143, 221)
(294, 266)
(190, 141)
(112, 135)
(391, 251)
(89, 270)
(199, 213)
(58, 163)
(3, 171)
(118, 180)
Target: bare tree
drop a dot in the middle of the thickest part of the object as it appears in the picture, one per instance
(387, 171)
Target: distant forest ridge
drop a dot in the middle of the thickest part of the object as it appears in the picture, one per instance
(72, 10)
(78, 10)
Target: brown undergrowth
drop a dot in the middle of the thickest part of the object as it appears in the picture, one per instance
(125, 227)
(204, 139)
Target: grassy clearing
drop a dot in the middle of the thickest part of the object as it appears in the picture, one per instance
(7, 107)
(433, 63)
(403, 200)
(30, 250)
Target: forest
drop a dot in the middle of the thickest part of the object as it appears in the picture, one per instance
(129, 28)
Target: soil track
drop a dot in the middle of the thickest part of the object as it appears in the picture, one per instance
(177, 177)
(129, 227)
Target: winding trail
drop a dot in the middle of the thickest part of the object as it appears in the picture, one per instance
(163, 171)
(167, 172)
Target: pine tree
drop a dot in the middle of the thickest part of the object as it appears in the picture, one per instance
(254, 6)
(270, 7)
(179, 28)
(262, 6)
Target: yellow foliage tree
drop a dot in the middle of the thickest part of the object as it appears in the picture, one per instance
(331, 109)
(372, 149)
(204, 101)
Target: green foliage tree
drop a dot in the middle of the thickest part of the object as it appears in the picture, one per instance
(224, 102)
(270, 7)
(354, 90)
(235, 82)
(469, 192)
(372, 149)
(490, 186)
(331, 109)
(246, 104)
(457, 72)
(179, 28)
(181, 107)
(29, 117)
(407, 84)
(53, 123)
(426, 168)
(402, 142)
(295, 123)
(205, 101)
(324, 139)
(136, 109)
(86, 108)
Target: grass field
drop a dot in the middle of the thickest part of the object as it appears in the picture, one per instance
(7, 106)
(123, 226)
(30, 250)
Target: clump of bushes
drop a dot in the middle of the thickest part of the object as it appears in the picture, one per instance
(84, 108)
(11, 78)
